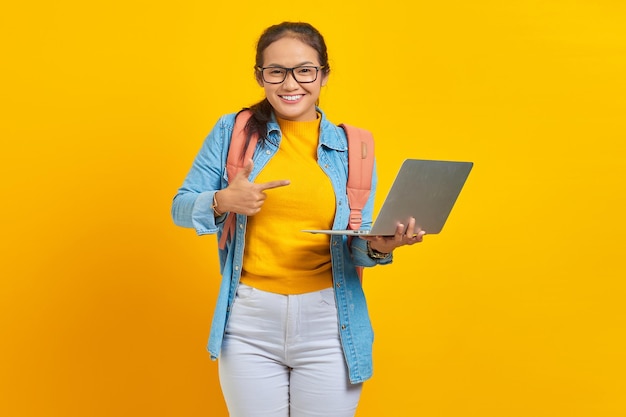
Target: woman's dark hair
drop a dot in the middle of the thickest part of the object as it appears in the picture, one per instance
(262, 111)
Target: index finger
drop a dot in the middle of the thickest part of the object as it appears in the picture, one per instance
(412, 230)
(273, 184)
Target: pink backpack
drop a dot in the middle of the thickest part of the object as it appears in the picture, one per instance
(360, 169)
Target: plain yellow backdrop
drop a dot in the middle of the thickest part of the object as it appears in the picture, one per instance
(516, 309)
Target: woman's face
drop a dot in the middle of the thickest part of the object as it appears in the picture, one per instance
(292, 100)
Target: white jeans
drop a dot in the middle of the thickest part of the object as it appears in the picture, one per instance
(282, 356)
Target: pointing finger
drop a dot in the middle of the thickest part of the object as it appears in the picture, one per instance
(273, 184)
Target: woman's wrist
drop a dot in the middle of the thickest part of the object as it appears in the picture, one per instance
(215, 204)
(376, 254)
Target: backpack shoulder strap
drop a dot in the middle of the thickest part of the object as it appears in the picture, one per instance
(235, 162)
(236, 157)
(360, 170)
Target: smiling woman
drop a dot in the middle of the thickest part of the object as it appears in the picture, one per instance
(291, 327)
(289, 75)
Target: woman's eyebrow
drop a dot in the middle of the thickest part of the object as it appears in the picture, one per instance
(298, 65)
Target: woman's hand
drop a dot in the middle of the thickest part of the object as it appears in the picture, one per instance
(386, 244)
(242, 196)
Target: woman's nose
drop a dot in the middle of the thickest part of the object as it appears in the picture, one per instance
(290, 82)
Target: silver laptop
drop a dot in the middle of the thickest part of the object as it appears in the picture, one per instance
(423, 189)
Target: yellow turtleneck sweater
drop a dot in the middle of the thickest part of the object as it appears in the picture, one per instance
(278, 257)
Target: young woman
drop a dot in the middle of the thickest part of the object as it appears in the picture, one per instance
(291, 327)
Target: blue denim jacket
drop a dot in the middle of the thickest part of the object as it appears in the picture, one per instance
(192, 208)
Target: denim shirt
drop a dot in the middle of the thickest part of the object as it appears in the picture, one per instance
(192, 208)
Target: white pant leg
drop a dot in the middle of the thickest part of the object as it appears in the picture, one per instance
(253, 377)
(319, 385)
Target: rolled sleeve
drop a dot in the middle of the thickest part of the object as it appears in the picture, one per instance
(191, 206)
(361, 258)
(202, 215)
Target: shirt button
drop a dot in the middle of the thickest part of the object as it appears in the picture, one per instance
(343, 327)
(338, 285)
(236, 267)
(267, 152)
(241, 225)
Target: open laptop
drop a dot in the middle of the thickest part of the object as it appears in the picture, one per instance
(423, 189)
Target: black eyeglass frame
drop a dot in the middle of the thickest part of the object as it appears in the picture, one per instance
(293, 74)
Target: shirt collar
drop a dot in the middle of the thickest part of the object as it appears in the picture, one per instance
(331, 136)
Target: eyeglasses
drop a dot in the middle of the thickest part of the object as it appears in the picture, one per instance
(277, 75)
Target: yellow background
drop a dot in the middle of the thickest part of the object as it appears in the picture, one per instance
(516, 309)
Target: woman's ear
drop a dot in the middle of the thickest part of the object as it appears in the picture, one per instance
(324, 80)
